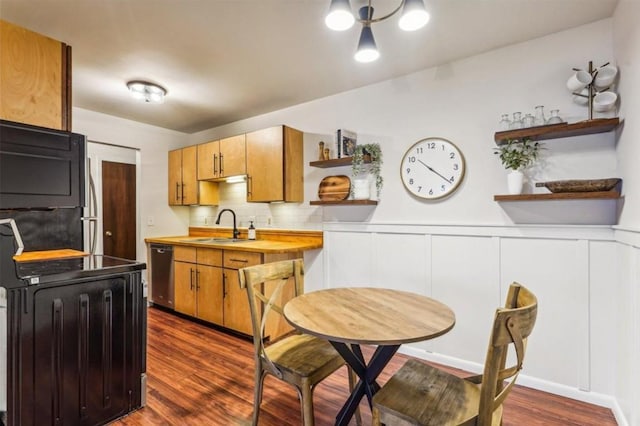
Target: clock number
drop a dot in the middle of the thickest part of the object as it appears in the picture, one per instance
(452, 179)
(419, 150)
(408, 170)
(412, 159)
(431, 191)
(411, 181)
(431, 145)
(455, 166)
(442, 188)
(452, 155)
(419, 189)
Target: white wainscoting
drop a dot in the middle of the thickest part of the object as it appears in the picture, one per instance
(586, 279)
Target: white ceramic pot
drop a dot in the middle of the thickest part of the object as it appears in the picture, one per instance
(515, 180)
(361, 189)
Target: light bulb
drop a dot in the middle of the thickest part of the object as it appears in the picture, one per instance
(414, 15)
(367, 49)
(339, 17)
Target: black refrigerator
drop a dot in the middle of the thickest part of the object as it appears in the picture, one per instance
(74, 341)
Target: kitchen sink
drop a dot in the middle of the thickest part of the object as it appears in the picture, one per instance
(213, 240)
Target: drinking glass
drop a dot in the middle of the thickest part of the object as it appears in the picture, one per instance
(555, 117)
(527, 121)
(505, 122)
(517, 121)
(539, 119)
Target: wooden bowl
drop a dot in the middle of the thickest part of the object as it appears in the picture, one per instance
(580, 185)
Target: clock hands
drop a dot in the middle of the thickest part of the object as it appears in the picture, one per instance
(421, 162)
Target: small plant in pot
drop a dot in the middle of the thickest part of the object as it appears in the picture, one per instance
(516, 155)
(370, 152)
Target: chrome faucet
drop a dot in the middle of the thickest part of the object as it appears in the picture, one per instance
(236, 233)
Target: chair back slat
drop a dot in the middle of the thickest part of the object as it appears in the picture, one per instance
(265, 285)
(512, 326)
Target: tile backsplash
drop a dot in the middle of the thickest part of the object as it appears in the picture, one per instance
(266, 215)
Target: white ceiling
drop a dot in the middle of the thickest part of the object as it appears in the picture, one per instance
(224, 60)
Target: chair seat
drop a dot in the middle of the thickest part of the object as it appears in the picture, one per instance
(304, 355)
(419, 394)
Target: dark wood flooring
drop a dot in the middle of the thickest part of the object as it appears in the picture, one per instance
(200, 376)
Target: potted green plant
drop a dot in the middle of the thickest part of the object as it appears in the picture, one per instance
(367, 158)
(516, 155)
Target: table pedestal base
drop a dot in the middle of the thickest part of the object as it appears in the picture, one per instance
(368, 373)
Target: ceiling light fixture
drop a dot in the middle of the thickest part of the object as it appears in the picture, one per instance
(145, 91)
(414, 16)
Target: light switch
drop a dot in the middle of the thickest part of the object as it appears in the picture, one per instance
(151, 221)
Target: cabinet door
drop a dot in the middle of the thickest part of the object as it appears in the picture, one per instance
(237, 314)
(233, 156)
(265, 165)
(209, 293)
(208, 160)
(33, 78)
(175, 177)
(184, 287)
(189, 175)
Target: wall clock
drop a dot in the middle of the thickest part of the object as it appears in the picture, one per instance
(432, 168)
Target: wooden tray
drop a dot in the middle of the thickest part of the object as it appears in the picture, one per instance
(35, 256)
(334, 188)
(580, 185)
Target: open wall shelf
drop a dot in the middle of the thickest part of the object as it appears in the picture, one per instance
(344, 203)
(562, 130)
(602, 195)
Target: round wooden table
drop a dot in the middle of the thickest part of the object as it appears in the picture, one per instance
(350, 317)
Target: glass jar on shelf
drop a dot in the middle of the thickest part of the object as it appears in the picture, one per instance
(539, 119)
(504, 123)
(517, 121)
(555, 117)
(527, 121)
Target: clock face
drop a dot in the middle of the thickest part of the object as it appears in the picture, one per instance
(432, 168)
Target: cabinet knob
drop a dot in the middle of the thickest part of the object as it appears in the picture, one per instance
(108, 234)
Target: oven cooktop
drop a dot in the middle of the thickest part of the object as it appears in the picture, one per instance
(47, 271)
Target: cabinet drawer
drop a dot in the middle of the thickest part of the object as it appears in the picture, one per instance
(235, 259)
(208, 256)
(184, 254)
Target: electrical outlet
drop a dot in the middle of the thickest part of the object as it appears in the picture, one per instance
(151, 221)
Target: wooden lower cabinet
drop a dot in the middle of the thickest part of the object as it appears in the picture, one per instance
(198, 283)
(237, 315)
(207, 287)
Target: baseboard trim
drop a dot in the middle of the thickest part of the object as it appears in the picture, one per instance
(595, 398)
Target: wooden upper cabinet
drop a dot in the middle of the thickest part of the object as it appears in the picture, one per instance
(274, 165)
(223, 158)
(209, 160)
(35, 78)
(189, 177)
(175, 177)
(184, 187)
(233, 156)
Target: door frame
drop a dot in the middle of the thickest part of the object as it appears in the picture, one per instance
(97, 152)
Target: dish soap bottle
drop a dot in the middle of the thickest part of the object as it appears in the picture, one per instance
(252, 231)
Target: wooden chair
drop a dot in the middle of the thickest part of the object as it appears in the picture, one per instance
(298, 359)
(419, 394)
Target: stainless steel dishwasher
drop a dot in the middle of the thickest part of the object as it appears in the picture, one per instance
(162, 275)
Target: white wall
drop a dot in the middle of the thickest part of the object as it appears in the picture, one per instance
(626, 38)
(627, 54)
(153, 143)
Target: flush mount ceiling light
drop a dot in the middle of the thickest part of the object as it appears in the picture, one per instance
(414, 16)
(147, 92)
